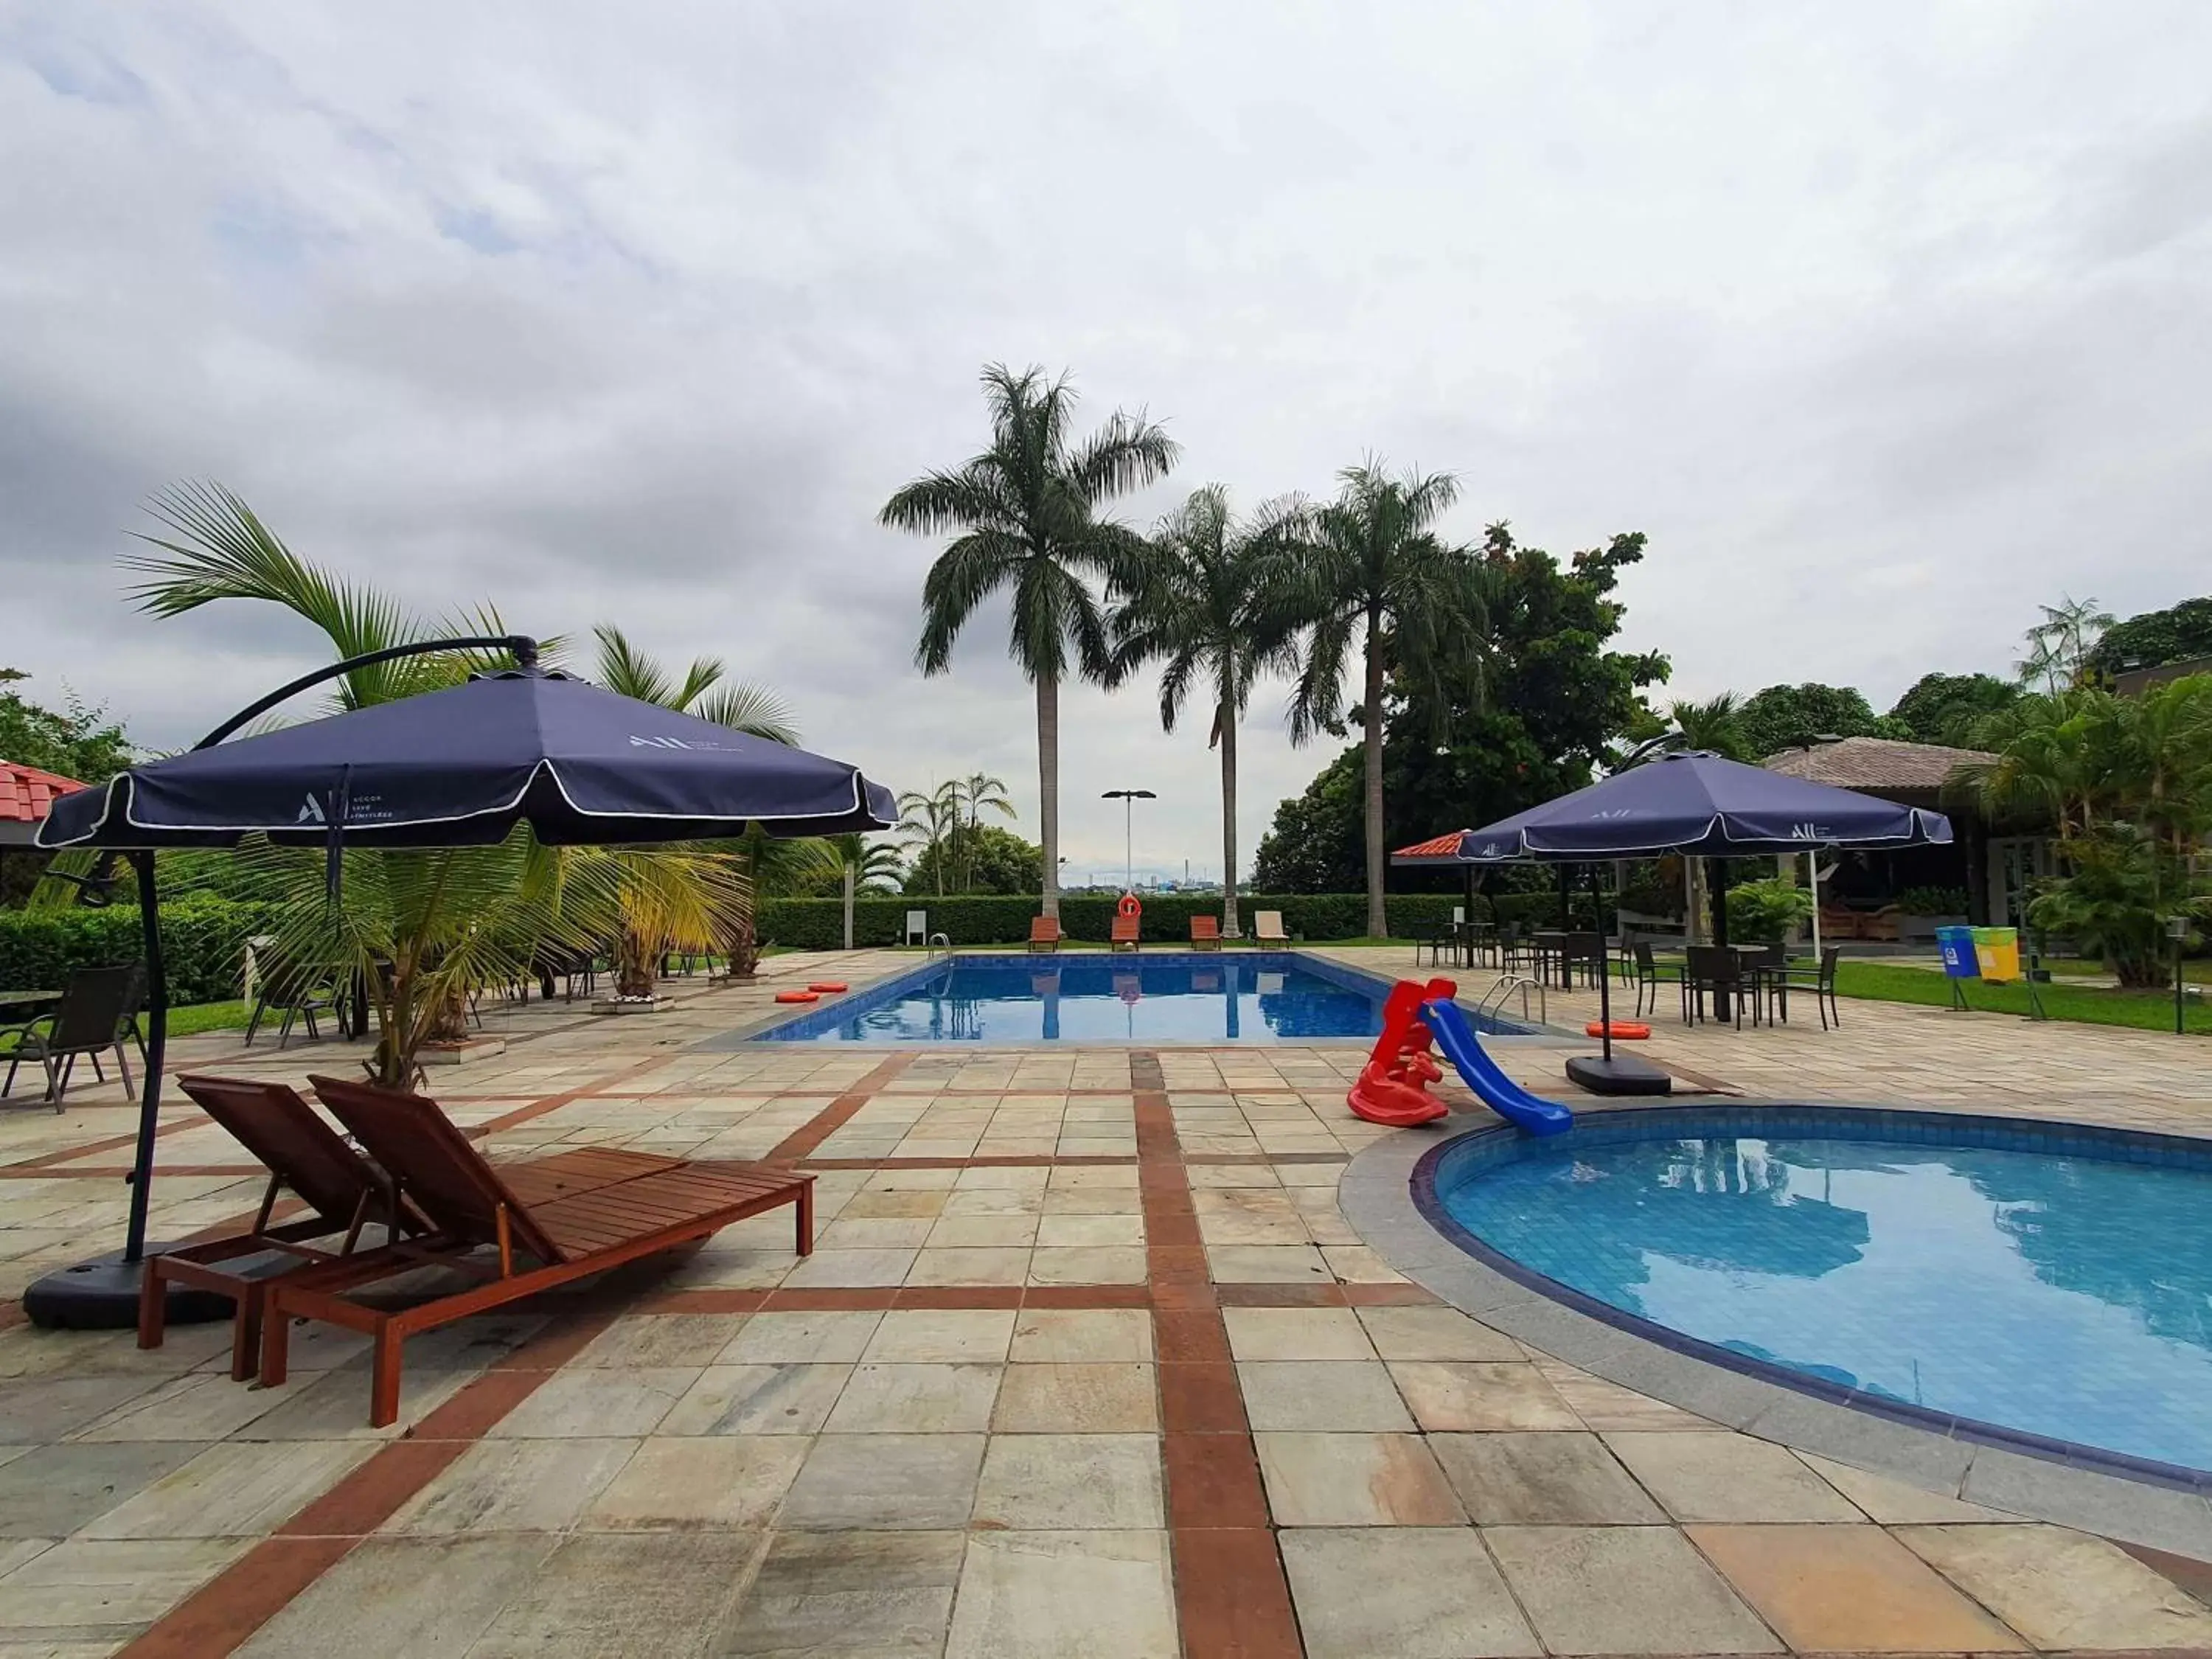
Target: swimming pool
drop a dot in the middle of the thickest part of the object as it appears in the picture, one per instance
(1256, 997)
(2044, 1285)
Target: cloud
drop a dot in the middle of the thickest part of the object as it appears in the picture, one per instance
(639, 313)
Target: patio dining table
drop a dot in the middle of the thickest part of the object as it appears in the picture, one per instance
(26, 1005)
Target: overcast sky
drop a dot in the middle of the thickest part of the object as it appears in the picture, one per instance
(1884, 322)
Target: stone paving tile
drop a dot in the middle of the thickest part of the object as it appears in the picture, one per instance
(1721, 1476)
(944, 1335)
(1292, 1334)
(597, 1403)
(1442, 1334)
(1475, 1395)
(615, 1597)
(1893, 1502)
(884, 1595)
(51, 1491)
(1060, 1482)
(853, 1267)
(770, 1339)
(44, 1410)
(658, 1340)
(429, 1598)
(915, 1400)
(1542, 1480)
(243, 1489)
(1107, 1594)
(101, 1589)
(2062, 1589)
(1074, 1336)
(514, 1486)
(1622, 1590)
(1412, 1593)
(1355, 1480)
(773, 1400)
(732, 1483)
(1120, 1397)
(204, 1406)
(1847, 1588)
(1324, 1395)
(886, 1481)
(1268, 1264)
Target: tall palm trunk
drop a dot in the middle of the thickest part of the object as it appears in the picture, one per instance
(849, 874)
(1047, 711)
(1378, 921)
(1225, 716)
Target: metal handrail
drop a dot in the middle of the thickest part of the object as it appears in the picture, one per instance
(936, 940)
(1505, 987)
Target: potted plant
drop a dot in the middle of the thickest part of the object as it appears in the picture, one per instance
(1922, 910)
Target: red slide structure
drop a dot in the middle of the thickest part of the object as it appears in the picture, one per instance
(1393, 1086)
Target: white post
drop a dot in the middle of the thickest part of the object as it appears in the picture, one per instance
(1812, 875)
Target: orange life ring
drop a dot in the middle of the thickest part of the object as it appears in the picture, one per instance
(830, 986)
(1128, 906)
(797, 996)
(1627, 1029)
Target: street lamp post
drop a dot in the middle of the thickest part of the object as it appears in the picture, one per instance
(2177, 929)
(1128, 798)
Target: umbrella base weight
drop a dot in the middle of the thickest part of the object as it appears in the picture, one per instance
(102, 1295)
(1624, 1074)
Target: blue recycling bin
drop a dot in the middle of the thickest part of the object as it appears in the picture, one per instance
(1957, 944)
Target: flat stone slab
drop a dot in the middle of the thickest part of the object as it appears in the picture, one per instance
(1719, 1476)
(886, 1481)
(1410, 1592)
(886, 1594)
(2062, 1589)
(1542, 1480)
(1355, 1480)
(1624, 1589)
(1848, 1588)
(1082, 1594)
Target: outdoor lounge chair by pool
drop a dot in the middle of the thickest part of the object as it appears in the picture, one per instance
(574, 1215)
(1044, 934)
(1124, 937)
(1268, 928)
(303, 1153)
(1206, 933)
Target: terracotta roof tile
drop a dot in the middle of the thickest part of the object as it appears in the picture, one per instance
(26, 792)
(1437, 846)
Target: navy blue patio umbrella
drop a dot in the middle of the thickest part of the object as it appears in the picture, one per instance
(462, 767)
(1695, 803)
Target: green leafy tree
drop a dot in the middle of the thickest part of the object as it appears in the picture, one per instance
(1314, 844)
(1795, 716)
(75, 741)
(1368, 575)
(996, 862)
(1949, 709)
(1027, 511)
(2058, 646)
(1212, 611)
(2181, 633)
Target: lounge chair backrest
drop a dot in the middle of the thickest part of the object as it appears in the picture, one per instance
(1268, 924)
(91, 1009)
(418, 1144)
(1206, 927)
(1125, 926)
(1043, 930)
(271, 1121)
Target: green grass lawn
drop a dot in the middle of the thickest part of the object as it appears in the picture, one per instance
(208, 1017)
(2149, 1010)
(2196, 973)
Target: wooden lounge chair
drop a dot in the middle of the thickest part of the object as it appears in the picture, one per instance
(341, 1192)
(1044, 934)
(1124, 937)
(574, 1216)
(1267, 928)
(1206, 933)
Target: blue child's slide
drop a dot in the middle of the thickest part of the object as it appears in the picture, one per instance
(1455, 1040)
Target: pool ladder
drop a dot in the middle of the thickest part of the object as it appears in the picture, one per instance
(937, 941)
(1493, 1000)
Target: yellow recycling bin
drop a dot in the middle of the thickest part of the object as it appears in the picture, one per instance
(1996, 953)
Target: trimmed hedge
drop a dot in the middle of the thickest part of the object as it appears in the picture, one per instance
(202, 944)
(818, 924)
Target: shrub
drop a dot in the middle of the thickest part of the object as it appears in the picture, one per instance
(1765, 911)
(984, 919)
(202, 944)
(1933, 901)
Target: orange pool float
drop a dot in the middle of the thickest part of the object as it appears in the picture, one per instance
(797, 996)
(827, 985)
(1625, 1029)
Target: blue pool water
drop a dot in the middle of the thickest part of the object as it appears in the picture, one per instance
(1246, 997)
(2067, 1295)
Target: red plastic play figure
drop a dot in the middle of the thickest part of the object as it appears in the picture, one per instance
(1393, 1086)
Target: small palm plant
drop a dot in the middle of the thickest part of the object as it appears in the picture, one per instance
(867, 865)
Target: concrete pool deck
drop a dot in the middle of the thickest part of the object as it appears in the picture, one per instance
(1089, 1359)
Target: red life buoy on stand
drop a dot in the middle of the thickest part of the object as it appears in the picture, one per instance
(1128, 906)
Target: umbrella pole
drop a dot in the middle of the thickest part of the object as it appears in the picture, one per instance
(1604, 968)
(157, 1039)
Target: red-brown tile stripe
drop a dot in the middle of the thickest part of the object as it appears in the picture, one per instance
(1233, 1598)
(802, 1141)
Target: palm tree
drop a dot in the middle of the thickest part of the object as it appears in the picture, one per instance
(978, 791)
(1028, 509)
(1715, 725)
(2059, 645)
(930, 818)
(703, 691)
(1367, 573)
(864, 863)
(1213, 606)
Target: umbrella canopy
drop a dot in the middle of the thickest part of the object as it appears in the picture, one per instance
(1695, 803)
(462, 767)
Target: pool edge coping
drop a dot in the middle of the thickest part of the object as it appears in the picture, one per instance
(1997, 1468)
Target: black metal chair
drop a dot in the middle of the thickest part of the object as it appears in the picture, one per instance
(298, 992)
(1716, 969)
(1764, 972)
(1434, 938)
(1819, 980)
(1650, 974)
(87, 1024)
